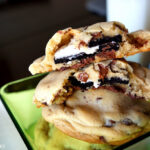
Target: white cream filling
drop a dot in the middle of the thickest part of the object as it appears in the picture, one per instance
(72, 50)
(95, 84)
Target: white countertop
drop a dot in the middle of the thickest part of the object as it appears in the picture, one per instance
(10, 139)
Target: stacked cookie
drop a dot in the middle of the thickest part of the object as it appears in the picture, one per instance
(92, 93)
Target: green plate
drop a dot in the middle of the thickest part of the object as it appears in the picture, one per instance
(17, 98)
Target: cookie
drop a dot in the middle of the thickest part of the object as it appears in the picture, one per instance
(75, 48)
(100, 116)
(116, 75)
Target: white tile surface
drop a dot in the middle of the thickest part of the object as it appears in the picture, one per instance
(10, 139)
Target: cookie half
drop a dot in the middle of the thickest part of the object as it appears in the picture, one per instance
(75, 48)
(115, 75)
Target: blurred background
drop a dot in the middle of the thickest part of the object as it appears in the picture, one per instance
(27, 25)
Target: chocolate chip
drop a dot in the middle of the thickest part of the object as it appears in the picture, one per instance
(64, 103)
(137, 41)
(99, 98)
(127, 121)
(110, 123)
(83, 76)
(44, 103)
(102, 71)
(146, 113)
(82, 90)
(102, 139)
(82, 43)
(96, 35)
(107, 54)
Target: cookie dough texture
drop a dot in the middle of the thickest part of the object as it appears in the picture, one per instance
(99, 116)
(51, 87)
(131, 44)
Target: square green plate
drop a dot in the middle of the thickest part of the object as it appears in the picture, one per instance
(17, 98)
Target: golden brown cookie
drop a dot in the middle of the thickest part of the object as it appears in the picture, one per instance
(100, 116)
(75, 48)
(116, 75)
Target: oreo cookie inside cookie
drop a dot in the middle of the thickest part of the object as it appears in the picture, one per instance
(113, 42)
(77, 83)
(102, 82)
(72, 57)
(105, 44)
(113, 80)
